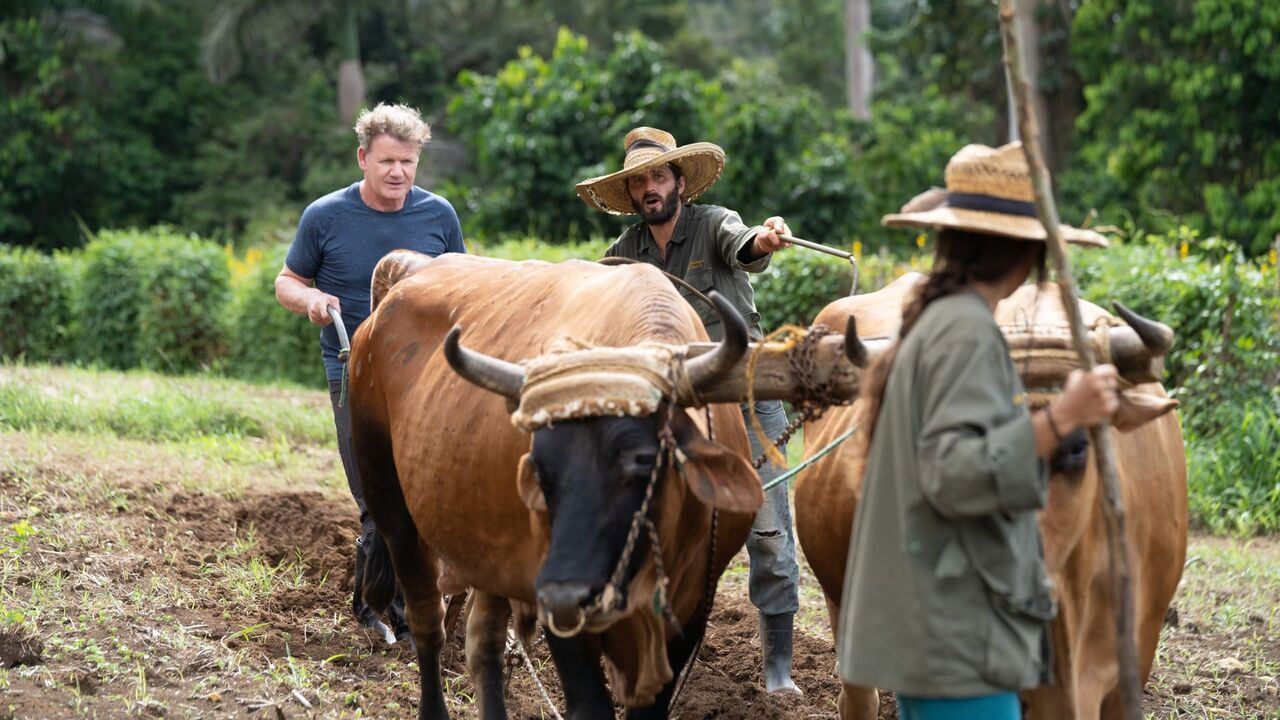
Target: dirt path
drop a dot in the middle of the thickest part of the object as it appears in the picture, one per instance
(125, 594)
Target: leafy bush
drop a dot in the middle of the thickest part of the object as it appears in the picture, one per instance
(35, 305)
(1234, 478)
(108, 300)
(1181, 112)
(539, 126)
(799, 283)
(1224, 365)
(785, 159)
(181, 326)
(151, 298)
(532, 249)
(1224, 309)
(267, 342)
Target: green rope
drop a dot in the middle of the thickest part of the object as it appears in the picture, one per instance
(816, 457)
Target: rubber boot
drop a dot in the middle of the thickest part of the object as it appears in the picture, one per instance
(776, 645)
(363, 612)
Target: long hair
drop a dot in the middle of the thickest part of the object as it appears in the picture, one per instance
(961, 258)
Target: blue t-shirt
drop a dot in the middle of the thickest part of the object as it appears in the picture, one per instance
(340, 239)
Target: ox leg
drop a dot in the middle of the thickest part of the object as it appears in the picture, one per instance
(855, 702)
(486, 644)
(578, 664)
(416, 567)
(423, 609)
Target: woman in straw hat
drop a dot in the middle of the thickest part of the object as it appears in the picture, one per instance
(710, 248)
(946, 596)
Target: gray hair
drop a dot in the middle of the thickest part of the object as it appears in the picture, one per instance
(399, 121)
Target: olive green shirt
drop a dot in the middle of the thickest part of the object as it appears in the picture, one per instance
(946, 593)
(703, 252)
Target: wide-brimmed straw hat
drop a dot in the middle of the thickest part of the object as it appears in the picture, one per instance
(700, 163)
(988, 191)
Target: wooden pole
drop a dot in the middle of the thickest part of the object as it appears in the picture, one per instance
(1113, 503)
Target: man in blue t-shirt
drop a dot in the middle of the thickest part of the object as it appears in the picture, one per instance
(340, 239)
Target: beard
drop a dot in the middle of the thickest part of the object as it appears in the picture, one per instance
(665, 210)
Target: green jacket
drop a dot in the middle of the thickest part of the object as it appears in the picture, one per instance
(945, 590)
(704, 253)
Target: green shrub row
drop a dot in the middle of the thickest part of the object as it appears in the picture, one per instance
(1224, 366)
(266, 342)
(152, 299)
(35, 305)
(176, 303)
(156, 299)
(1224, 308)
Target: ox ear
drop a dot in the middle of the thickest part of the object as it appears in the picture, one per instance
(528, 487)
(718, 477)
(1138, 408)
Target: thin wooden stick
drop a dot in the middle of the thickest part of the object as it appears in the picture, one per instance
(1113, 503)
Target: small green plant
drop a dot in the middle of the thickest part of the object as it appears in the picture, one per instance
(19, 538)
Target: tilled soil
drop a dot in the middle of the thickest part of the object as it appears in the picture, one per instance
(129, 597)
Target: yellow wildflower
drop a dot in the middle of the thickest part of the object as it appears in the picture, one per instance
(1183, 249)
(920, 240)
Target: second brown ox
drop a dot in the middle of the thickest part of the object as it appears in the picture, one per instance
(1151, 465)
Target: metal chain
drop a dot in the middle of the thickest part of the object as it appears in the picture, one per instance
(815, 397)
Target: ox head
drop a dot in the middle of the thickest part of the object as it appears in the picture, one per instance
(589, 475)
(1044, 355)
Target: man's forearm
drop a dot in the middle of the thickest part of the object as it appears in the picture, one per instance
(293, 295)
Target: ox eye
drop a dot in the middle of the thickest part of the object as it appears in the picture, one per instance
(639, 463)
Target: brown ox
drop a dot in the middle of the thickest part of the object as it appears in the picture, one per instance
(1151, 465)
(537, 520)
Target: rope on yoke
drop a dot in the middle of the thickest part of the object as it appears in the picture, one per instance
(801, 348)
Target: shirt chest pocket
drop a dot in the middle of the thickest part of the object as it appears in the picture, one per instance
(703, 280)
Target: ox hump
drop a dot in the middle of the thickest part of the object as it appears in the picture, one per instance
(391, 269)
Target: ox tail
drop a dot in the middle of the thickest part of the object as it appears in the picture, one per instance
(379, 576)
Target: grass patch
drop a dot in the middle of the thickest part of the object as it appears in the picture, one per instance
(141, 405)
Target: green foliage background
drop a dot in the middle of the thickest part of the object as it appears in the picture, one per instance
(214, 125)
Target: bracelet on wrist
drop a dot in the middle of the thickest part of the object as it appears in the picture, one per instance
(1053, 427)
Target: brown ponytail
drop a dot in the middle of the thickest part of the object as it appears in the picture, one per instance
(961, 258)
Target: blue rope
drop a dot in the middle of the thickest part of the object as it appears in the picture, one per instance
(816, 457)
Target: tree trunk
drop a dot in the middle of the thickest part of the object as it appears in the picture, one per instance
(858, 65)
(350, 74)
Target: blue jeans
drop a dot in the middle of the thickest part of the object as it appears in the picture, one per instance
(774, 576)
(1004, 706)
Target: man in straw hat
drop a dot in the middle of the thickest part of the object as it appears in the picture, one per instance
(946, 598)
(710, 248)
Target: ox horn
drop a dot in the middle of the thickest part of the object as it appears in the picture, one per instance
(490, 373)
(853, 347)
(1156, 336)
(714, 365)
